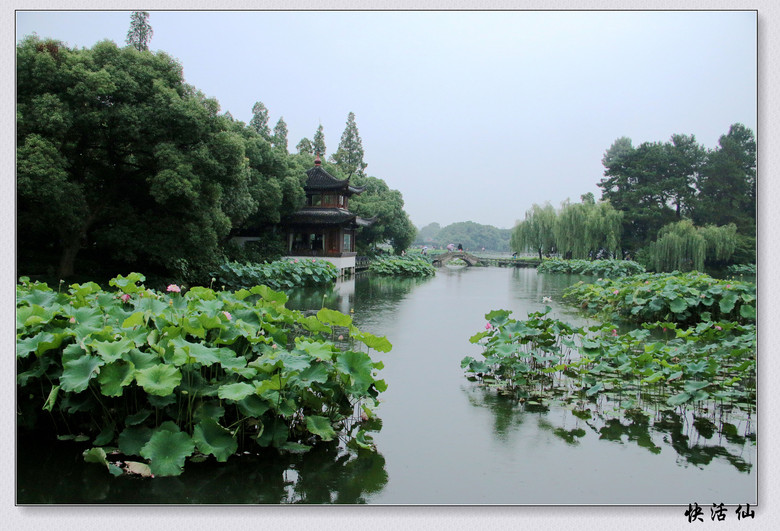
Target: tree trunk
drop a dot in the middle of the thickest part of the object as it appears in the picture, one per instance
(68, 258)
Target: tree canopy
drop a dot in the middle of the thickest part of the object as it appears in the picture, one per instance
(118, 158)
(656, 184)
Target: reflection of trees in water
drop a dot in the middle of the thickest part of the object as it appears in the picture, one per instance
(507, 412)
(370, 288)
(326, 474)
(697, 442)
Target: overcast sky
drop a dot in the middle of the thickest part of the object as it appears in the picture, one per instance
(471, 115)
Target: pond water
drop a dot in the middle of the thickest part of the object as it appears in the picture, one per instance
(445, 439)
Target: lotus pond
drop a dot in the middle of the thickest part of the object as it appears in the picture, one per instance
(449, 439)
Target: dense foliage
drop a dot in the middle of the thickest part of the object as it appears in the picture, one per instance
(408, 266)
(120, 162)
(279, 275)
(600, 268)
(161, 377)
(657, 183)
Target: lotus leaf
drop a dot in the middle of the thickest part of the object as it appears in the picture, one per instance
(111, 351)
(167, 451)
(115, 376)
(213, 439)
(334, 317)
(159, 379)
(357, 365)
(320, 426)
(77, 373)
(236, 391)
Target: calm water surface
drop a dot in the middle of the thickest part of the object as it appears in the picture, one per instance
(444, 440)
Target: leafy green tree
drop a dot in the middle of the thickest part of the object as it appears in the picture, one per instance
(727, 187)
(259, 121)
(280, 134)
(140, 33)
(587, 230)
(349, 155)
(428, 233)
(305, 147)
(385, 206)
(119, 158)
(537, 231)
(319, 142)
(636, 182)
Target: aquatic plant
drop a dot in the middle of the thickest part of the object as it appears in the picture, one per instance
(677, 297)
(409, 266)
(279, 275)
(741, 269)
(543, 359)
(162, 377)
(601, 268)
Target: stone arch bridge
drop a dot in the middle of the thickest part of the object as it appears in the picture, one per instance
(445, 258)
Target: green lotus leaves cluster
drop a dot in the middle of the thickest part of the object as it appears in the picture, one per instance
(161, 377)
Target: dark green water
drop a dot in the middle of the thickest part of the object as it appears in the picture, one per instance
(444, 440)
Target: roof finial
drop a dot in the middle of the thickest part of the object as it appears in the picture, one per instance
(317, 161)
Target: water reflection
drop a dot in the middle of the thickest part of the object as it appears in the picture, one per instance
(327, 474)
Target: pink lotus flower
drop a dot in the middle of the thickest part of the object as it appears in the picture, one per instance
(488, 326)
(341, 337)
(227, 315)
(174, 288)
(125, 297)
(616, 292)
(728, 286)
(718, 327)
(295, 261)
(614, 332)
(72, 320)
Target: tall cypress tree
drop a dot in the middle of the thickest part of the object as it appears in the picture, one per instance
(280, 134)
(349, 155)
(140, 33)
(259, 121)
(319, 142)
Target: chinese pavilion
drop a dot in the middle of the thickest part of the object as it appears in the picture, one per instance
(325, 227)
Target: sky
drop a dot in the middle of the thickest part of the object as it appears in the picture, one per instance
(471, 115)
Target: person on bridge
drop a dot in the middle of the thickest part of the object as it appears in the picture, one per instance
(450, 247)
(460, 247)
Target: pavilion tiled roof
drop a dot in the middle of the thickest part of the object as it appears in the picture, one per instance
(320, 180)
(321, 216)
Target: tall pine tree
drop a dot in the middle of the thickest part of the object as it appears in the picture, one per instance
(349, 155)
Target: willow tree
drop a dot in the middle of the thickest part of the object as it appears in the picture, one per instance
(679, 247)
(682, 246)
(536, 231)
(582, 230)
